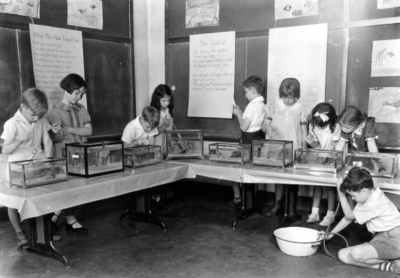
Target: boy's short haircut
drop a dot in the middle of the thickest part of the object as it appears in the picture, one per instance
(357, 179)
(72, 82)
(289, 87)
(254, 82)
(151, 115)
(36, 100)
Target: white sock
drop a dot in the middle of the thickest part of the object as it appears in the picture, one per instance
(72, 220)
(314, 210)
(330, 213)
(56, 216)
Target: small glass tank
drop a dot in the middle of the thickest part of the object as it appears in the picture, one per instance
(88, 159)
(272, 152)
(234, 153)
(29, 173)
(184, 144)
(378, 164)
(318, 160)
(140, 156)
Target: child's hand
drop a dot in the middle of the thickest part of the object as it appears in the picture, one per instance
(236, 110)
(24, 136)
(167, 119)
(270, 132)
(143, 141)
(311, 139)
(322, 235)
(56, 128)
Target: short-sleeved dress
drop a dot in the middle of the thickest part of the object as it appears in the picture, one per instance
(358, 139)
(68, 116)
(286, 122)
(28, 149)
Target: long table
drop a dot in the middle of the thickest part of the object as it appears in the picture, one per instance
(37, 203)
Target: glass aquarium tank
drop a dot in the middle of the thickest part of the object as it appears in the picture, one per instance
(234, 153)
(272, 152)
(88, 159)
(184, 144)
(30, 173)
(318, 160)
(140, 156)
(378, 164)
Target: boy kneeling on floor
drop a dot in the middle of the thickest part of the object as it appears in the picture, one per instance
(381, 217)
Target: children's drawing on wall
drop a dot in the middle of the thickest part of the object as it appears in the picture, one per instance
(386, 58)
(295, 8)
(29, 8)
(202, 13)
(387, 4)
(384, 104)
(88, 13)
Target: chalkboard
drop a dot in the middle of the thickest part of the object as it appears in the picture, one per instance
(108, 64)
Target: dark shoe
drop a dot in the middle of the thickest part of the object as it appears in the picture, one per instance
(23, 241)
(234, 204)
(277, 209)
(70, 228)
(56, 238)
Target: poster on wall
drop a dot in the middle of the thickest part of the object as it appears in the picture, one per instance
(88, 13)
(384, 104)
(30, 8)
(56, 53)
(202, 13)
(295, 8)
(385, 58)
(212, 75)
(387, 4)
(298, 52)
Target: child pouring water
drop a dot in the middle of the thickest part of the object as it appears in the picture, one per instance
(324, 134)
(286, 119)
(381, 217)
(23, 135)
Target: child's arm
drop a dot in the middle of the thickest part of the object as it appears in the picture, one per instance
(10, 146)
(48, 144)
(372, 147)
(81, 131)
(304, 131)
(339, 227)
(267, 128)
(348, 212)
(244, 123)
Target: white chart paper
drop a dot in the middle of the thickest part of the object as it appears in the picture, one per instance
(56, 53)
(88, 13)
(212, 75)
(384, 104)
(385, 58)
(298, 52)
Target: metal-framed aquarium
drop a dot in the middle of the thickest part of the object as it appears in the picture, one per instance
(378, 164)
(318, 160)
(35, 172)
(270, 152)
(184, 144)
(140, 156)
(230, 152)
(89, 159)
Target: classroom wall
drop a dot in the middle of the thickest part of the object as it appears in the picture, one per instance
(149, 45)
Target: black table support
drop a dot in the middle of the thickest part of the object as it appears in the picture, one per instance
(290, 214)
(249, 197)
(42, 239)
(141, 208)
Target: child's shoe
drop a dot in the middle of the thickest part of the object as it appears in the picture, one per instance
(22, 240)
(313, 218)
(327, 221)
(277, 209)
(391, 266)
(236, 202)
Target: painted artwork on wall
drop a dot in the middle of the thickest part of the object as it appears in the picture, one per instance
(30, 8)
(88, 13)
(384, 104)
(385, 58)
(387, 4)
(295, 8)
(202, 13)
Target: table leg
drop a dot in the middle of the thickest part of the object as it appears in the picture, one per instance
(141, 209)
(42, 238)
(249, 197)
(290, 214)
